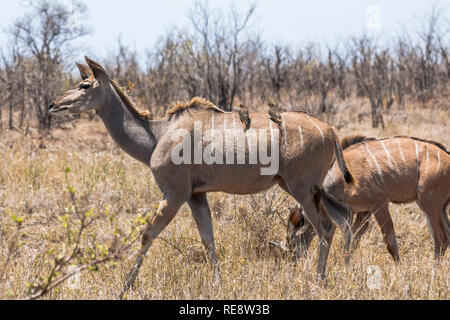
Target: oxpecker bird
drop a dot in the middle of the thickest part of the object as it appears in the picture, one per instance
(274, 114)
(244, 116)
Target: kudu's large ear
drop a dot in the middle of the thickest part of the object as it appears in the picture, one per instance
(99, 72)
(295, 218)
(85, 71)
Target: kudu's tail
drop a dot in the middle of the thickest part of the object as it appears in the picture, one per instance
(341, 161)
(337, 212)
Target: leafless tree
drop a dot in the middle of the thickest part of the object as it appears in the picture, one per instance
(223, 51)
(14, 81)
(222, 58)
(277, 69)
(427, 53)
(44, 36)
(371, 69)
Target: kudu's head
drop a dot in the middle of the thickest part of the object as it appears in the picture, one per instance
(299, 233)
(88, 95)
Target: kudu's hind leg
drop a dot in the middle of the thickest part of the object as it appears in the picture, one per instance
(359, 227)
(384, 220)
(434, 211)
(202, 216)
(166, 212)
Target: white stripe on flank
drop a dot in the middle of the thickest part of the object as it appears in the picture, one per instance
(390, 159)
(301, 135)
(319, 128)
(285, 134)
(418, 169)
(439, 162)
(417, 150)
(370, 163)
(234, 122)
(380, 172)
(401, 151)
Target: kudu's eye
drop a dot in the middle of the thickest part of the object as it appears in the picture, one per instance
(85, 85)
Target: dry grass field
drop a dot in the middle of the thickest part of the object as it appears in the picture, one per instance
(37, 225)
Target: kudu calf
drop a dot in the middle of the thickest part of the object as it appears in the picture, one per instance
(397, 170)
(305, 146)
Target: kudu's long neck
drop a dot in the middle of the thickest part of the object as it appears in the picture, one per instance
(136, 136)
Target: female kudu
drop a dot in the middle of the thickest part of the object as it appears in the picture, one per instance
(397, 170)
(306, 152)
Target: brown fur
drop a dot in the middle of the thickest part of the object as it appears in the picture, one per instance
(437, 144)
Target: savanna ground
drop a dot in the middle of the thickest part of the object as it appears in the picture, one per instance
(78, 168)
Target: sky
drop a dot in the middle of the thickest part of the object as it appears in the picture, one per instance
(139, 23)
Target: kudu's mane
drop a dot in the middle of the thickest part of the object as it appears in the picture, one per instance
(349, 141)
(141, 114)
(352, 140)
(196, 103)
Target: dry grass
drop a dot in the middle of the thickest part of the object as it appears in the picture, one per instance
(33, 187)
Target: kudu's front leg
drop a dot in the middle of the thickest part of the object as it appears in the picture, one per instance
(166, 212)
(202, 216)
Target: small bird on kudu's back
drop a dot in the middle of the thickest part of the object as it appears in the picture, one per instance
(244, 116)
(274, 113)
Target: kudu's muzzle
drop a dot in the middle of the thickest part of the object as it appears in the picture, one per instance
(55, 108)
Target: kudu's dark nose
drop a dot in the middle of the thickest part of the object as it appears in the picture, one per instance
(51, 106)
